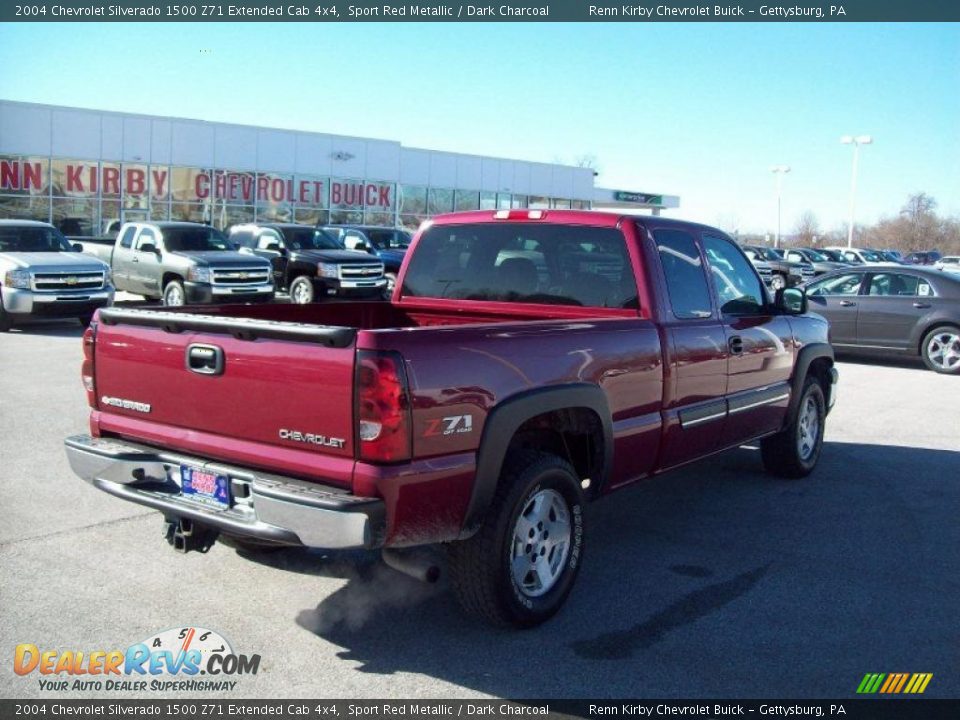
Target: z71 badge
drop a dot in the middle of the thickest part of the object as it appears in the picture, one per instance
(453, 425)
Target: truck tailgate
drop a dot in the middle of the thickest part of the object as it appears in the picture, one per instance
(196, 380)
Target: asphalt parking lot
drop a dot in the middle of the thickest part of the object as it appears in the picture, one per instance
(715, 581)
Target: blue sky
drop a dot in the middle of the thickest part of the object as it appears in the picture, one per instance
(697, 110)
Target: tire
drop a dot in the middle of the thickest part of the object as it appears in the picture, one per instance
(778, 282)
(5, 322)
(793, 452)
(174, 294)
(940, 350)
(302, 291)
(85, 320)
(534, 486)
(391, 283)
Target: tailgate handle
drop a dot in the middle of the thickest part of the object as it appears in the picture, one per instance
(205, 359)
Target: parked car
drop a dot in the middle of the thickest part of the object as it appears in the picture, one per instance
(785, 272)
(528, 363)
(308, 263)
(386, 243)
(929, 257)
(894, 311)
(860, 256)
(184, 263)
(948, 263)
(821, 263)
(42, 275)
(834, 256)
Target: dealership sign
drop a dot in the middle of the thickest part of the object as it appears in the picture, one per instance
(194, 185)
(635, 197)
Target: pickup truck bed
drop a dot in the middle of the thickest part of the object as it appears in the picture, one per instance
(452, 414)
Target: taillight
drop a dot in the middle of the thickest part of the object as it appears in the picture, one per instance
(87, 370)
(383, 407)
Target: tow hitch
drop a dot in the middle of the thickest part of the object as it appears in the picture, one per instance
(184, 535)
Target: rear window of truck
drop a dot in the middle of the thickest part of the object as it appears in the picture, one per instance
(523, 262)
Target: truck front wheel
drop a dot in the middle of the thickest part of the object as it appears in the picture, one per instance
(793, 452)
(173, 294)
(301, 291)
(521, 564)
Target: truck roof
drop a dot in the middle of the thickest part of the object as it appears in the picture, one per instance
(25, 223)
(569, 217)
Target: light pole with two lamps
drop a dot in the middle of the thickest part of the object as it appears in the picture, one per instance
(779, 171)
(856, 141)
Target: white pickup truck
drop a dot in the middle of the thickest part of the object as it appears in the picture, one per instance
(42, 275)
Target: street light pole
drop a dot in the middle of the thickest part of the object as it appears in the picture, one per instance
(779, 171)
(856, 142)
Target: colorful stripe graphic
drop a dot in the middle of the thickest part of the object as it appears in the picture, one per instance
(893, 683)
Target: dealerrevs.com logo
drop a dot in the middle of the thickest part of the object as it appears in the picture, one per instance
(180, 659)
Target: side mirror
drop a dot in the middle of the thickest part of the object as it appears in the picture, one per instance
(77, 247)
(791, 301)
(273, 246)
(148, 248)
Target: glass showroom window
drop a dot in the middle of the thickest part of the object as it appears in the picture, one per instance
(488, 201)
(274, 213)
(226, 215)
(518, 201)
(538, 202)
(379, 218)
(411, 222)
(110, 216)
(188, 212)
(503, 201)
(76, 216)
(440, 201)
(311, 216)
(413, 199)
(158, 210)
(25, 207)
(190, 185)
(346, 217)
(467, 200)
(560, 204)
(24, 175)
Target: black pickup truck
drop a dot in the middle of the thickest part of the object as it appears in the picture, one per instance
(308, 263)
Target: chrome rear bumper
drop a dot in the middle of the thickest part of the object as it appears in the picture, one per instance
(264, 506)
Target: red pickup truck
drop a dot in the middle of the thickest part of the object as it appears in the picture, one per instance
(529, 361)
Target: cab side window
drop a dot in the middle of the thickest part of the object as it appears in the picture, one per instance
(737, 287)
(794, 256)
(269, 240)
(127, 240)
(683, 270)
(146, 236)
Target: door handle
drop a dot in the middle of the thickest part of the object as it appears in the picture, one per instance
(735, 343)
(847, 303)
(921, 305)
(135, 259)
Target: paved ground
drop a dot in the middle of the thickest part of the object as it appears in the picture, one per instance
(715, 581)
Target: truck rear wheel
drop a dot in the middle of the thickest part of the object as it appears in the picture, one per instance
(521, 564)
(5, 322)
(793, 452)
(301, 291)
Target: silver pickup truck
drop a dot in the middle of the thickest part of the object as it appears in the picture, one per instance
(42, 275)
(184, 263)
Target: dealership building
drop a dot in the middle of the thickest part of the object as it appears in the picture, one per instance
(83, 169)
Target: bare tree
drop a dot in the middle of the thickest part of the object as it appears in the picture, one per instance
(806, 230)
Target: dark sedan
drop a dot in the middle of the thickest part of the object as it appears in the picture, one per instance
(821, 263)
(893, 311)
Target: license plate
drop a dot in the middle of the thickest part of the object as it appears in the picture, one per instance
(205, 486)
